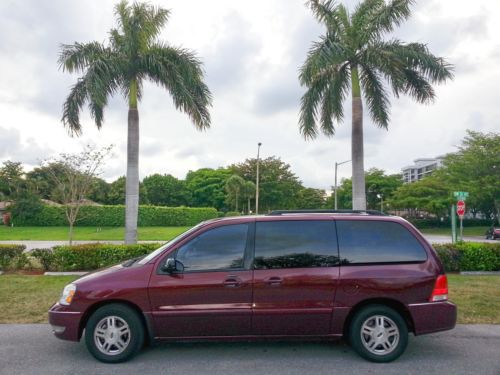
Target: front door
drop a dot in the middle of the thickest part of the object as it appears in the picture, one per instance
(213, 295)
(295, 276)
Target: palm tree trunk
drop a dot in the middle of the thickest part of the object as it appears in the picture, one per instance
(132, 181)
(357, 153)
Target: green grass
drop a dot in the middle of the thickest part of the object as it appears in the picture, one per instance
(26, 299)
(468, 231)
(86, 233)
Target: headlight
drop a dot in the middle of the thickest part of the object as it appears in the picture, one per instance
(67, 294)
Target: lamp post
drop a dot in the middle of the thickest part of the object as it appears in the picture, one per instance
(381, 197)
(257, 181)
(336, 165)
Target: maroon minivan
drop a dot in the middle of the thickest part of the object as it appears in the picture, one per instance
(368, 277)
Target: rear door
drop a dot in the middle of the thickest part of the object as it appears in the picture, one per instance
(295, 276)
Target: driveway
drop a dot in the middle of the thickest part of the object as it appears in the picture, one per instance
(468, 349)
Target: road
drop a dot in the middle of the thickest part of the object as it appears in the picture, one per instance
(468, 349)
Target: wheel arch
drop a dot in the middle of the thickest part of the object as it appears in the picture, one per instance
(147, 325)
(392, 303)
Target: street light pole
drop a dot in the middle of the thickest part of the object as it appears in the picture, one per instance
(335, 192)
(381, 202)
(257, 181)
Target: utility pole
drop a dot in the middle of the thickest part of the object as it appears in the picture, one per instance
(335, 192)
(257, 180)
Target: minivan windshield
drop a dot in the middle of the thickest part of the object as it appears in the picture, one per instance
(152, 255)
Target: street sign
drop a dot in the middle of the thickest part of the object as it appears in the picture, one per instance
(461, 195)
(461, 209)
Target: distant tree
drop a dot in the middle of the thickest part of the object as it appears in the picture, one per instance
(116, 193)
(377, 183)
(11, 179)
(355, 56)
(133, 55)
(429, 195)
(73, 180)
(248, 194)
(234, 188)
(309, 198)
(475, 168)
(278, 186)
(166, 190)
(26, 205)
(206, 187)
(99, 191)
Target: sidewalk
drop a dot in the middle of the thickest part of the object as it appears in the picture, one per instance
(30, 245)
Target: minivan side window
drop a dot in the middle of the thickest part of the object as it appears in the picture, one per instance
(216, 249)
(377, 242)
(295, 244)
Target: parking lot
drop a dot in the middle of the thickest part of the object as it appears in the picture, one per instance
(469, 349)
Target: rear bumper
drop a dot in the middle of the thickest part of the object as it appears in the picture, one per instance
(433, 316)
(65, 323)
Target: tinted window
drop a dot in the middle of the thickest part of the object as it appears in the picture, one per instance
(294, 244)
(377, 242)
(218, 248)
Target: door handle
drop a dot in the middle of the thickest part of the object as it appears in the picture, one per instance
(232, 282)
(273, 281)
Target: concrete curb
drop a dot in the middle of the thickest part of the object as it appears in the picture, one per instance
(75, 273)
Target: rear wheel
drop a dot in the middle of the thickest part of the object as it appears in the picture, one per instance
(378, 333)
(114, 333)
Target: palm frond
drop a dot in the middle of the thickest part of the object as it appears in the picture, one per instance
(77, 57)
(180, 72)
(328, 13)
(333, 100)
(375, 95)
(72, 107)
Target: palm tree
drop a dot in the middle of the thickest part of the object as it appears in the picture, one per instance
(234, 187)
(354, 56)
(132, 55)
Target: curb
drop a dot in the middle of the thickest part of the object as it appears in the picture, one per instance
(75, 273)
(480, 273)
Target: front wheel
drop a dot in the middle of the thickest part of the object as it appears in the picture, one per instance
(114, 333)
(378, 333)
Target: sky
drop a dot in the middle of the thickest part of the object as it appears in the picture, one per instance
(251, 51)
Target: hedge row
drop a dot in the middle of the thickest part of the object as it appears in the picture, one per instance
(469, 256)
(436, 223)
(89, 257)
(114, 216)
(12, 257)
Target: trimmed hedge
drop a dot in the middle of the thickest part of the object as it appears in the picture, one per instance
(13, 257)
(89, 257)
(436, 223)
(469, 256)
(114, 216)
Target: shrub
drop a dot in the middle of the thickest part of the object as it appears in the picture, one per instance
(114, 216)
(436, 223)
(12, 257)
(469, 256)
(232, 213)
(87, 257)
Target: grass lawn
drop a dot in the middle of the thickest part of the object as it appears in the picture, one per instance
(468, 231)
(86, 233)
(26, 299)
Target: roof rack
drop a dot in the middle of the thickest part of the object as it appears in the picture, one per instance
(359, 212)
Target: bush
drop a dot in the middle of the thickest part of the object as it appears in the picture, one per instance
(114, 216)
(12, 257)
(89, 257)
(469, 256)
(436, 223)
(232, 213)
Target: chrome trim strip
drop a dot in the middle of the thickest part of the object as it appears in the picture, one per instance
(66, 312)
(426, 303)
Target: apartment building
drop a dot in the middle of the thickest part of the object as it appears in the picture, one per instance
(422, 167)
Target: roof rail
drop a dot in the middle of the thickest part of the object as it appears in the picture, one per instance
(360, 212)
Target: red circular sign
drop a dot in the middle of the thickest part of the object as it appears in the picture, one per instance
(460, 208)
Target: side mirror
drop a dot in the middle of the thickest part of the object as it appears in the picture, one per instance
(172, 265)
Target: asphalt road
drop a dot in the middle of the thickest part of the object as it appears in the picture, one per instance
(468, 349)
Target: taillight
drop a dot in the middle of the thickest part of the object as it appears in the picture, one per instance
(440, 292)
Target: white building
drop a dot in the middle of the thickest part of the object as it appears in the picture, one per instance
(422, 167)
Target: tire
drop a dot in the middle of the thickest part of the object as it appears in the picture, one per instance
(114, 333)
(378, 333)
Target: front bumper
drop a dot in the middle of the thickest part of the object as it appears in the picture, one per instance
(65, 323)
(433, 316)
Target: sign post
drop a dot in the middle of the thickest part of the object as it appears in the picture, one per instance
(461, 197)
(453, 224)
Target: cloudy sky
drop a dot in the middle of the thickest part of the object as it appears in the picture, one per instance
(251, 52)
